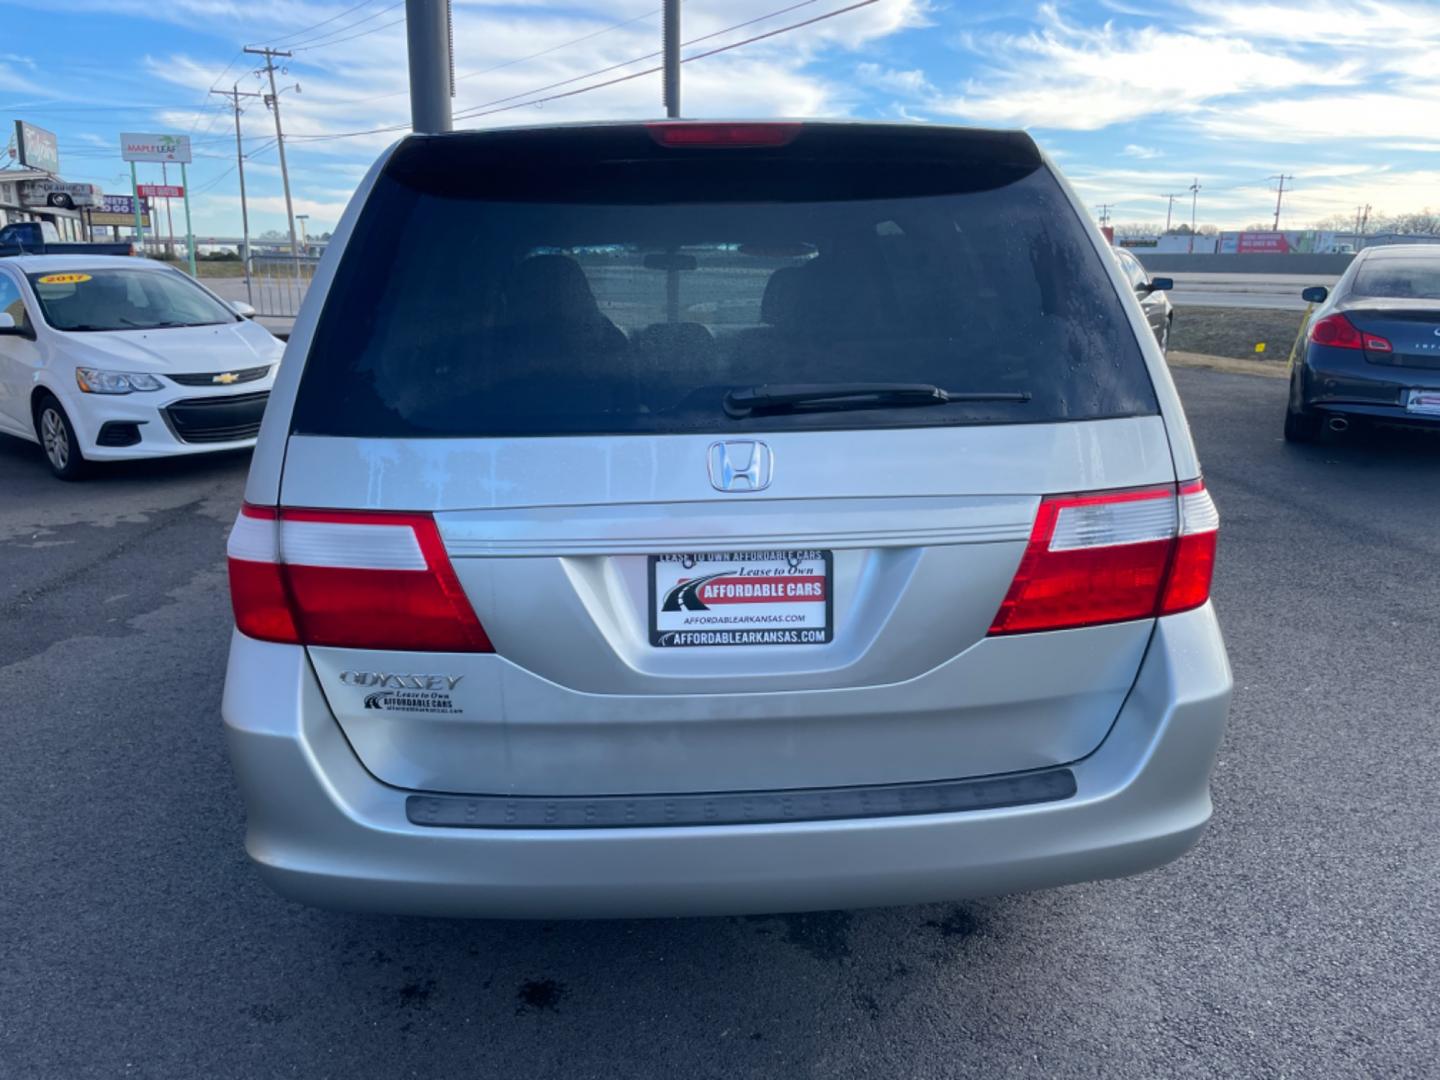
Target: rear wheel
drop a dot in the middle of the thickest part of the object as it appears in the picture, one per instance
(1302, 426)
(57, 439)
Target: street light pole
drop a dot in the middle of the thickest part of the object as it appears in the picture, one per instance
(670, 35)
(432, 77)
(1194, 196)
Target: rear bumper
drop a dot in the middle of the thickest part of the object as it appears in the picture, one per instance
(324, 831)
(1341, 382)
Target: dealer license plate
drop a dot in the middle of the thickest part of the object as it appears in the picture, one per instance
(1424, 402)
(741, 598)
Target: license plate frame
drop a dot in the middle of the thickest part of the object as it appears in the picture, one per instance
(746, 615)
(1423, 403)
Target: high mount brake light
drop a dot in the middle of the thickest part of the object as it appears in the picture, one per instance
(721, 136)
(1338, 332)
(1111, 557)
(349, 579)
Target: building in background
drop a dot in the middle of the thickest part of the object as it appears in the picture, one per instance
(32, 189)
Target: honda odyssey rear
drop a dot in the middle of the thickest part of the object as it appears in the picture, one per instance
(719, 517)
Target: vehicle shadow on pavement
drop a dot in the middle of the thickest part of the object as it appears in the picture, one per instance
(785, 995)
(25, 462)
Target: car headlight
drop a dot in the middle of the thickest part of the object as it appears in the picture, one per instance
(95, 381)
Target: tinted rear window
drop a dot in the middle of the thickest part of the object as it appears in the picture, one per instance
(1416, 277)
(593, 283)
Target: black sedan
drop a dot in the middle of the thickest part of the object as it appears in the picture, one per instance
(1372, 347)
(1151, 293)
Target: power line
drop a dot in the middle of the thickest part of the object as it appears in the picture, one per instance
(686, 59)
(330, 38)
(314, 26)
(487, 108)
(521, 59)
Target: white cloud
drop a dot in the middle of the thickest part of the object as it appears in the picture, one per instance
(1085, 78)
(910, 83)
(1144, 152)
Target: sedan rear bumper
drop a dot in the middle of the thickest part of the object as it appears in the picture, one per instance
(324, 831)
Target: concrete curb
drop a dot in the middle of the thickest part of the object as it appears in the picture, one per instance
(1266, 369)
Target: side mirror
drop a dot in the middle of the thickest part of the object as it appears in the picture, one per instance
(1315, 294)
(1160, 284)
(241, 308)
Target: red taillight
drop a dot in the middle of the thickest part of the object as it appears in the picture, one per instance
(1112, 557)
(348, 579)
(689, 133)
(1338, 332)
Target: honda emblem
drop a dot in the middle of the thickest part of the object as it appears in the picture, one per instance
(741, 466)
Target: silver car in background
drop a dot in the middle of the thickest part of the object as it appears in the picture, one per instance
(692, 517)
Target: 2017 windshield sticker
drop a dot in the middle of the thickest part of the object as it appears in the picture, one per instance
(63, 279)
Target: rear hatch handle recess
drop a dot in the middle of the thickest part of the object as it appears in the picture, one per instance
(742, 402)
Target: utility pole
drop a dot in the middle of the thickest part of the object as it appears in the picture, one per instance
(273, 100)
(1168, 210)
(670, 37)
(1194, 197)
(430, 44)
(1104, 209)
(1364, 221)
(1279, 194)
(235, 94)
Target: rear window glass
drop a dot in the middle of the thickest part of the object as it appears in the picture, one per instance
(1416, 279)
(630, 295)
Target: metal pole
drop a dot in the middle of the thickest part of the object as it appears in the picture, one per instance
(189, 233)
(427, 34)
(135, 197)
(234, 94)
(671, 36)
(1194, 195)
(1168, 211)
(169, 218)
(270, 55)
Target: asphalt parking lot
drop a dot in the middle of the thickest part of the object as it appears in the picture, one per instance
(1299, 939)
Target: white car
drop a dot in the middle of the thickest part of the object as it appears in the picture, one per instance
(106, 357)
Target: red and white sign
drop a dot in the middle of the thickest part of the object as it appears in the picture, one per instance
(160, 191)
(741, 598)
(1250, 243)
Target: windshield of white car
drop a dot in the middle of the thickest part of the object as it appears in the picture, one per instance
(85, 301)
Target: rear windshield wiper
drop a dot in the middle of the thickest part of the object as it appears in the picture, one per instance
(814, 397)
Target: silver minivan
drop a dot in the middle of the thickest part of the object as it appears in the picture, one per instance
(692, 517)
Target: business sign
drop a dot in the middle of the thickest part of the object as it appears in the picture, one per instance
(38, 148)
(58, 193)
(120, 210)
(160, 191)
(135, 147)
(1255, 243)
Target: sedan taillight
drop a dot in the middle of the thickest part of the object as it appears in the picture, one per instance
(360, 580)
(1338, 332)
(1111, 557)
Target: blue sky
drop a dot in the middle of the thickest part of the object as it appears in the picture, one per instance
(1133, 99)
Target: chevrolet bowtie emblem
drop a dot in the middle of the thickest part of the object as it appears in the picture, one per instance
(225, 378)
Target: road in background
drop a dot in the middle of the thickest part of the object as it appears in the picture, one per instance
(1298, 939)
(1277, 291)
